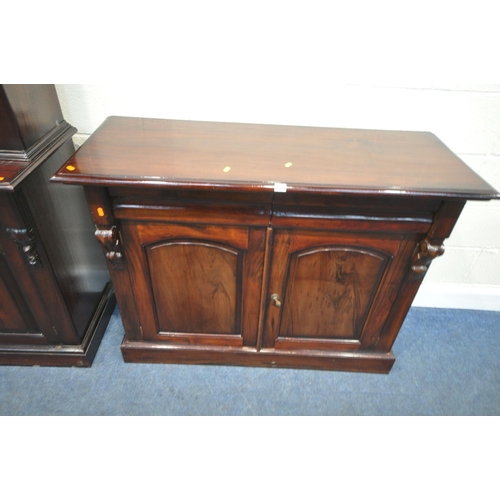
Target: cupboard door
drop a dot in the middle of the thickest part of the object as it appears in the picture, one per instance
(195, 284)
(16, 321)
(27, 275)
(23, 316)
(332, 290)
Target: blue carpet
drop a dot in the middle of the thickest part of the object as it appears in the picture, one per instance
(447, 363)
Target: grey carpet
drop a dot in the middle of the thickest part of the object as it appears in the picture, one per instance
(447, 363)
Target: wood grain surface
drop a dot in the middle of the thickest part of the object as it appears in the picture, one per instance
(329, 292)
(195, 287)
(152, 152)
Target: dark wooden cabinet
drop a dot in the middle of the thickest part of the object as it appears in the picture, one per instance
(55, 295)
(267, 245)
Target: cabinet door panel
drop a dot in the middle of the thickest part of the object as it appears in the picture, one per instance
(197, 285)
(22, 320)
(14, 313)
(329, 291)
(208, 291)
(334, 288)
(27, 273)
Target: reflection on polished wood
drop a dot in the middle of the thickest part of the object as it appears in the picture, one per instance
(198, 279)
(189, 153)
(329, 292)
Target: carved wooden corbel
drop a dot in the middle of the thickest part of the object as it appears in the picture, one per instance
(110, 239)
(424, 254)
(26, 242)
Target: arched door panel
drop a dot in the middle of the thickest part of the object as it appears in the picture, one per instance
(329, 292)
(196, 285)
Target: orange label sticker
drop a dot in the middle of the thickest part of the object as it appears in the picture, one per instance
(70, 168)
(100, 212)
(2, 178)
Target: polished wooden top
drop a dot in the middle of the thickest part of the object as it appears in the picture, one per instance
(153, 152)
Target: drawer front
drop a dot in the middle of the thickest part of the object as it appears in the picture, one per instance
(188, 206)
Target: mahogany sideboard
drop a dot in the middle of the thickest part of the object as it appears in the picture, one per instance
(267, 245)
(55, 293)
